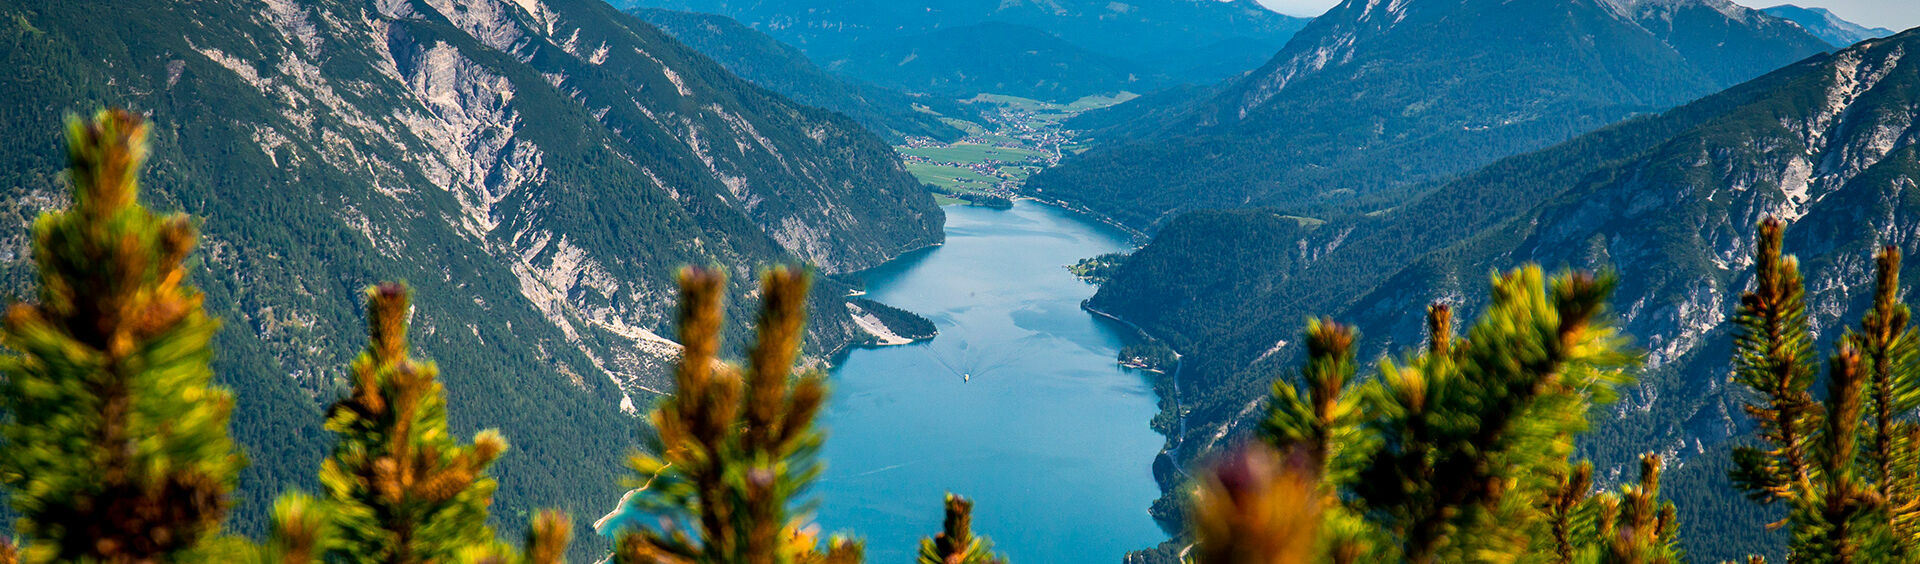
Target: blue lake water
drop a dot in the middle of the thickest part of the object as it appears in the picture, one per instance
(1049, 437)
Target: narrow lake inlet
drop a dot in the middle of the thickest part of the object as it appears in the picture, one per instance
(1018, 403)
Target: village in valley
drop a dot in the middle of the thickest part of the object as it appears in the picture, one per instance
(1012, 139)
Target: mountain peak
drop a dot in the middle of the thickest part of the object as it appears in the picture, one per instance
(1376, 96)
(1826, 25)
(1725, 7)
(1704, 33)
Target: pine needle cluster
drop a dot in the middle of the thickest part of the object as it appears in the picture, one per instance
(956, 543)
(736, 446)
(1457, 452)
(1260, 506)
(399, 488)
(1635, 525)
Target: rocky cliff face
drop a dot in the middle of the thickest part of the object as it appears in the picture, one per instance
(537, 169)
(1668, 203)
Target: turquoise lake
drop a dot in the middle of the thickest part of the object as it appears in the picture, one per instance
(1018, 402)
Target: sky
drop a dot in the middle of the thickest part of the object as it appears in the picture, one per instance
(1891, 14)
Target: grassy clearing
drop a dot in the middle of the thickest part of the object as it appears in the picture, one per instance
(1014, 102)
(973, 153)
(969, 127)
(950, 177)
(1018, 172)
(1095, 102)
(1306, 221)
(1076, 106)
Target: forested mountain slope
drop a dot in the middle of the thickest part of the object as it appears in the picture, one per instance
(1669, 202)
(776, 66)
(1151, 37)
(1373, 98)
(537, 169)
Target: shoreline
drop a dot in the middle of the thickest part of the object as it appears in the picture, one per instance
(877, 328)
(830, 358)
(1176, 438)
(1139, 237)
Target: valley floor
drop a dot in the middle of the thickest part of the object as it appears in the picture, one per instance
(1012, 139)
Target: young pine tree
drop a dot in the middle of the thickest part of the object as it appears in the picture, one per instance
(116, 448)
(1890, 351)
(1635, 525)
(736, 446)
(1325, 429)
(1447, 455)
(1843, 466)
(400, 489)
(1325, 423)
(301, 531)
(956, 543)
(1773, 356)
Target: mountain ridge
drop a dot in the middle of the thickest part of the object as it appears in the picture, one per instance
(993, 57)
(1375, 98)
(1668, 201)
(776, 66)
(1149, 35)
(536, 169)
(1827, 26)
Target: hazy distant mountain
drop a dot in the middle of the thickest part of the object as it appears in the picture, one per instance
(1373, 98)
(1726, 42)
(1669, 202)
(1197, 41)
(1826, 26)
(1211, 63)
(537, 169)
(1000, 58)
(773, 65)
